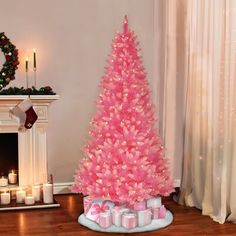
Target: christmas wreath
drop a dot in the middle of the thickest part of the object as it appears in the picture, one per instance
(9, 67)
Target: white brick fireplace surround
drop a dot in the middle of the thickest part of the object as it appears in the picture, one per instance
(32, 145)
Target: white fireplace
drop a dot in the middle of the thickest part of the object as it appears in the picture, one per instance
(32, 144)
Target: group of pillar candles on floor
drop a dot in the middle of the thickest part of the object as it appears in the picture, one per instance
(11, 179)
(42, 193)
(107, 213)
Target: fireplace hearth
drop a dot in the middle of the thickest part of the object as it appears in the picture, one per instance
(31, 150)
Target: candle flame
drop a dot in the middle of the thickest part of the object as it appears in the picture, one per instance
(34, 50)
(27, 58)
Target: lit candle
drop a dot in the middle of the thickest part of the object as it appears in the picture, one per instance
(29, 200)
(12, 177)
(47, 193)
(3, 181)
(34, 59)
(36, 192)
(20, 196)
(5, 198)
(26, 64)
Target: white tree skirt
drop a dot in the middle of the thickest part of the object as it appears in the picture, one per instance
(156, 224)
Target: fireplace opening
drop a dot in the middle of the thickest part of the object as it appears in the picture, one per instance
(8, 153)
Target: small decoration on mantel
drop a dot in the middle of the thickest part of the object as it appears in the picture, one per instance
(9, 67)
(47, 90)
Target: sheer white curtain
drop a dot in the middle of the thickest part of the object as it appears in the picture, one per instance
(169, 81)
(206, 67)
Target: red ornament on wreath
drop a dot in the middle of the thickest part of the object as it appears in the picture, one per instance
(9, 67)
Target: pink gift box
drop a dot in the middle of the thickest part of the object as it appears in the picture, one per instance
(154, 202)
(159, 212)
(98, 206)
(155, 213)
(117, 212)
(144, 217)
(139, 206)
(129, 220)
(162, 212)
(87, 201)
(105, 219)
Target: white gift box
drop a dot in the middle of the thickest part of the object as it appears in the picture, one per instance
(98, 206)
(154, 202)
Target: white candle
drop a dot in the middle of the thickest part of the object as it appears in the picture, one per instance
(5, 198)
(12, 177)
(29, 200)
(47, 193)
(20, 196)
(3, 181)
(36, 192)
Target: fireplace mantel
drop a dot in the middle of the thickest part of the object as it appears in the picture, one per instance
(32, 149)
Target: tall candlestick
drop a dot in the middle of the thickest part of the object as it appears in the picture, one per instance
(35, 80)
(26, 71)
(26, 64)
(34, 59)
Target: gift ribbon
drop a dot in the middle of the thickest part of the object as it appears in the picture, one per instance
(96, 208)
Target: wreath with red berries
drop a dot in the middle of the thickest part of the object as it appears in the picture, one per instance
(9, 67)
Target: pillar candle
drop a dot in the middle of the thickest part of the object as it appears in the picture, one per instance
(5, 198)
(12, 177)
(3, 181)
(36, 189)
(29, 200)
(20, 196)
(47, 193)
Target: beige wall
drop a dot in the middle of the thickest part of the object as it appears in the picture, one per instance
(72, 39)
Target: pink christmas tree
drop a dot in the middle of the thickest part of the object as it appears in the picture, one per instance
(124, 160)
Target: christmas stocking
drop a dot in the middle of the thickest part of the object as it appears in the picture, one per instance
(20, 116)
(25, 113)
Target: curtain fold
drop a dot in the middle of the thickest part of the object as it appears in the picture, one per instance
(200, 42)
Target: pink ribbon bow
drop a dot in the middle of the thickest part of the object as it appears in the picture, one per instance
(96, 208)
